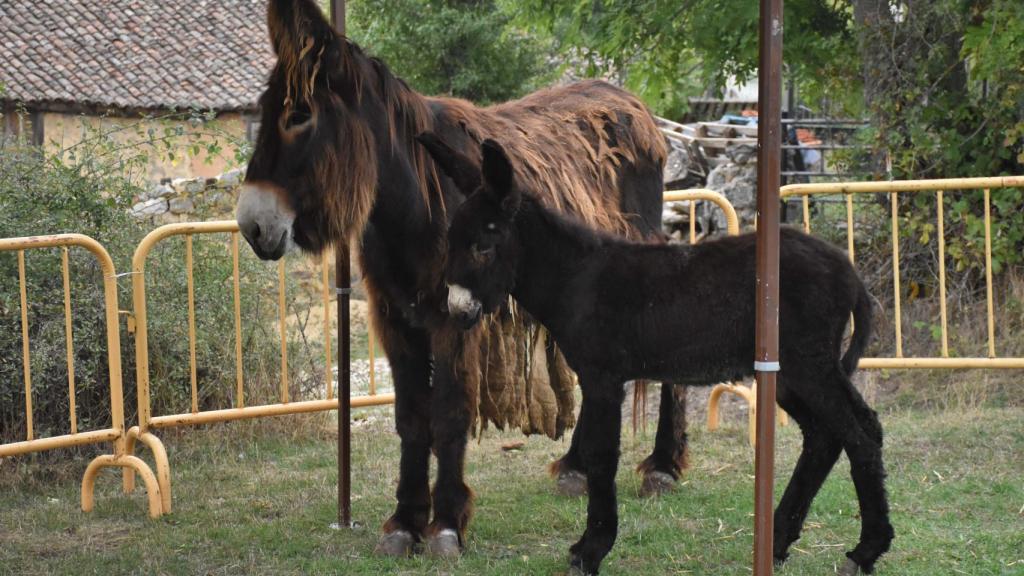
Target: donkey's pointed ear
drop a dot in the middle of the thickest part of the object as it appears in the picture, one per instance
(455, 164)
(500, 177)
(297, 26)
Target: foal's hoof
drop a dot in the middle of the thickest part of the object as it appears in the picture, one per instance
(572, 483)
(396, 544)
(850, 568)
(444, 544)
(657, 483)
(577, 571)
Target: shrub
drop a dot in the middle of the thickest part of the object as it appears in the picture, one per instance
(43, 194)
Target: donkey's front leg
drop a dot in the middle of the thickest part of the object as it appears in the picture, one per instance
(450, 419)
(599, 446)
(408, 352)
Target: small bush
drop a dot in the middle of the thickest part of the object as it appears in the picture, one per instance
(43, 194)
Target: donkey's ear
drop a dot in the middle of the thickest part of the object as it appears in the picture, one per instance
(500, 178)
(455, 164)
(298, 29)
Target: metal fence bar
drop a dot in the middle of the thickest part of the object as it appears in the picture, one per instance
(849, 227)
(26, 360)
(191, 324)
(371, 352)
(943, 363)
(731, 220)
(325, 268)
(807, 214)
(237, 301)
(693, 222)
(988, 276)
(299, 407)
(69, 339)
(942, 271)
(893, 200)
(283, 319)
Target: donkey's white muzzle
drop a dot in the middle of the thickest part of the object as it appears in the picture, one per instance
(265, 219)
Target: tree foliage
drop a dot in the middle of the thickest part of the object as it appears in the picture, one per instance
(941, 81)
(667, 50)
(464, 48)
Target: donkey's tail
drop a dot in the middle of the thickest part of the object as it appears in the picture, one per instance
(861, 329)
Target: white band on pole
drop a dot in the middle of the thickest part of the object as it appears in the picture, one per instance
(766, 366)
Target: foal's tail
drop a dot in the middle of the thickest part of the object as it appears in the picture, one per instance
(861, 329)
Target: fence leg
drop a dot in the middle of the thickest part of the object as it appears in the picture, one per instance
(136, 464)
(163, 467)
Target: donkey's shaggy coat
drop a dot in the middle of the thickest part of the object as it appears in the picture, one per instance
(621, 310)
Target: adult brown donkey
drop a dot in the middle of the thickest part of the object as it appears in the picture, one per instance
(336, 160)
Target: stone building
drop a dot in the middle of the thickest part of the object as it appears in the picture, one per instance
(182, 74)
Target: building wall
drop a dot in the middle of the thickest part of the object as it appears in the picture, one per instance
(171, 145)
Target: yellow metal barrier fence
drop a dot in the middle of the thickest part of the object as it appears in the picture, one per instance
(938, 187)
(893, 189)
(147, 421)
(116, 432)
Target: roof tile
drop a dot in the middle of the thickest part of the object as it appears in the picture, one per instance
(148, 54)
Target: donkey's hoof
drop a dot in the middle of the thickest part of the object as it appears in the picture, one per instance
(577, 571)
(572, 483)
(396, 544)
(444, 544)
(657, 483)
(850, 568)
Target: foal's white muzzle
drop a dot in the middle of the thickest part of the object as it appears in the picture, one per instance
(266, 220)
(462, 306)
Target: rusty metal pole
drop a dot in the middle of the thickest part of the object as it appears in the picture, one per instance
(343, 282)
(766, 360)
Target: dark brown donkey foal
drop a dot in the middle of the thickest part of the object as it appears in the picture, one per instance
(622, 310)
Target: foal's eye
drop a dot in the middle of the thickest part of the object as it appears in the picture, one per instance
(481, 255)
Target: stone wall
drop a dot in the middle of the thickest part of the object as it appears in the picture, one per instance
(189, 199)
(63, 131)
(737, 181)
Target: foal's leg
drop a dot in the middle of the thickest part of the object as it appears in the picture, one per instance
(599, 447)
(841, 409)
(868, 474)
(449, 425)
(820, 452)
(662, 468)
(408, 352)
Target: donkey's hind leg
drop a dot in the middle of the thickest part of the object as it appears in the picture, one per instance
(662, 468)
(568, 471)
(820, 452)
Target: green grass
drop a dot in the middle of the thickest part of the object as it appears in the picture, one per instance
(251, 499)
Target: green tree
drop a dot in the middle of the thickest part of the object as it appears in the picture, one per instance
(941, 81)
(667, 50)
(464, 48)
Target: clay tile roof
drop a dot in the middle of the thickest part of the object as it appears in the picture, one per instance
(146, 54)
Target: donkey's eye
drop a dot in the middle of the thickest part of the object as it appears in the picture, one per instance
(298, 117)
(481, 255)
